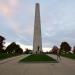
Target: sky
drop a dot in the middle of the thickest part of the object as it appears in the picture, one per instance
(57, 21)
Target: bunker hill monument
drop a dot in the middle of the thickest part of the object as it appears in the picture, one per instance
(37, 39)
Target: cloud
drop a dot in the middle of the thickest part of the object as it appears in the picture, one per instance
(57, 20)
(14, 2)
(7, 6)
(6, 10)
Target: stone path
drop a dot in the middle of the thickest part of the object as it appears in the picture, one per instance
(12, 66)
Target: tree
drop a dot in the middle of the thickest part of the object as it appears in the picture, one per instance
(10, 48)
(74, 49)
(2, 44)
(18, 50)
(28, 51)
(13, 48)
(54, 49)
(65, 47)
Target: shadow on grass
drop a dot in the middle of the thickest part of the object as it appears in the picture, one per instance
(38, 58)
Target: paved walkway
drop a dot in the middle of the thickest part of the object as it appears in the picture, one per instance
(12, 66)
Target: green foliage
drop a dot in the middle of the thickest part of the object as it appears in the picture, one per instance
(69, 55)
(18, 50)
(2, 44)
(38, 57)
(65, 47)
(28, 51)
(13, 48)
(5, 55)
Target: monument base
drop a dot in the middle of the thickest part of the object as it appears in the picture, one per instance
(37, 52)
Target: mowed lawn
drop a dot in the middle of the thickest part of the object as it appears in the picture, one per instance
(38, 58)
(72, 56)
(4, 56)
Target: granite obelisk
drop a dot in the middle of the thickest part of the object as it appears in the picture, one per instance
(37, 39)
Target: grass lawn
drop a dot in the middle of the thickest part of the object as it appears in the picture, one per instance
(72, 56)
(4, 56)
(38, 58)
